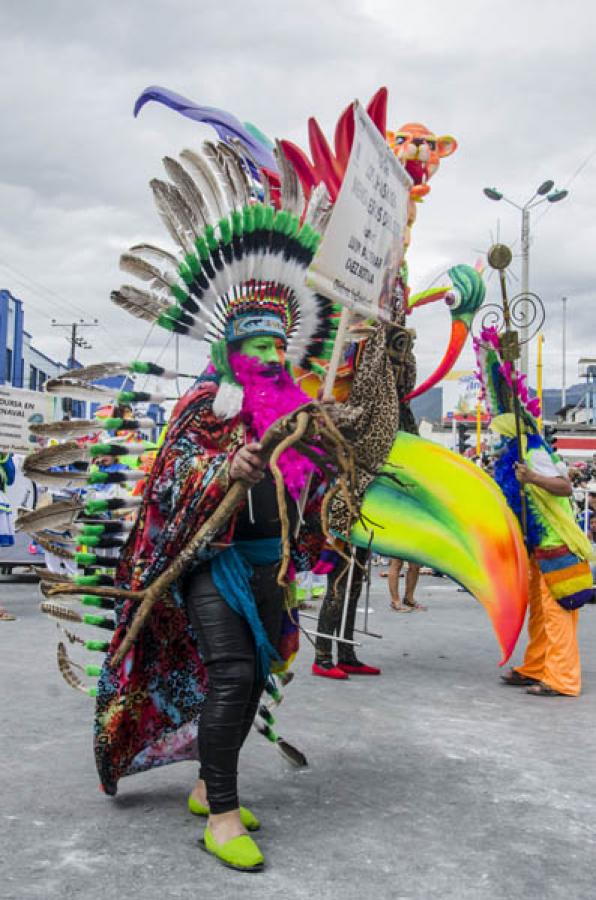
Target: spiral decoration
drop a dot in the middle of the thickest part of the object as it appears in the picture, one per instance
(493, 316)
(533, 320)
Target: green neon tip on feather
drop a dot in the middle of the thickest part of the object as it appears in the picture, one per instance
(93, 530)
(85, 559)
(225, 229)
(193, 263)
(174, 312)
(317, 369)
(280, 221)
(93, 671)
(87, 580)
(248, 219)
(269, 218)
(97, 646)
(237, 222)
(185, 273)
(274, 692)
(126, 397)
(305, 234)
(294, 225)
(267, 715)
(112, 425)
(90, 600)
(139, 367)
(210, 237)
(259, 216)
(97, 450)
(91, 619)
(202, 248)
(270, 734)
(97, 506)
(98, 478)
(165, 322)
(92, 691)
(90, 540)
(178, 292)
(327, 349)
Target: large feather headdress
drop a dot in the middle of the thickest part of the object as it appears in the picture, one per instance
(237, 254)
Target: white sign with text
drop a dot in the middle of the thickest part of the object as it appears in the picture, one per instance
(18, 410)
(362, 249)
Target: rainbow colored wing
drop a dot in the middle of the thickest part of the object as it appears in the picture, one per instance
(435, 508)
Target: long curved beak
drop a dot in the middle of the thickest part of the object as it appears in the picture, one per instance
(457, 339)
(433, 507)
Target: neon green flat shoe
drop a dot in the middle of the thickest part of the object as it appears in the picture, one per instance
(241, 853)
(248, 818)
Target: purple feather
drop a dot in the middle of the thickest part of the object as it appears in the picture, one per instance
(227, 126)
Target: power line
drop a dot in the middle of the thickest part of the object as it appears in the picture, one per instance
(579, 169)
(30, 285)
(46, 290)
(75, 341)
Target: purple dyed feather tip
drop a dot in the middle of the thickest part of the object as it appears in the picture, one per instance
(227, 126)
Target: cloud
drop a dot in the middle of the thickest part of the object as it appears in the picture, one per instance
(513, 83)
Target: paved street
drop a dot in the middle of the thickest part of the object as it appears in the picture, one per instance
(433, 781)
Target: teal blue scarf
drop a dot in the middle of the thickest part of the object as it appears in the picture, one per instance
(231, 571)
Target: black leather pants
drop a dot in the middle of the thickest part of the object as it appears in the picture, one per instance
(227, 649)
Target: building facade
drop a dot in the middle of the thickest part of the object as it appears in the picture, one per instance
(21, 364)
(24, 366)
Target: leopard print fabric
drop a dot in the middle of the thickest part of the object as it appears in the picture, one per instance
(384, 369)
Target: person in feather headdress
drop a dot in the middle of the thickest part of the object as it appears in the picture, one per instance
(559, 552)
(210, 643)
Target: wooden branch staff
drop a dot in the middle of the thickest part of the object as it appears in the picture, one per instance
(304, 423)
(208, 531)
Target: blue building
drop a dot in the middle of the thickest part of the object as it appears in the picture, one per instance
(21, 364)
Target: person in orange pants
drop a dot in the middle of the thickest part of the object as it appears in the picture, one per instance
(559, 573)
(552, 654)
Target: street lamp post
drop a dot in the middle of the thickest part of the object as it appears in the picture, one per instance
(544, 193)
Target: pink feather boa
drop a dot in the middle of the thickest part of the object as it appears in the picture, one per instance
(266, 398)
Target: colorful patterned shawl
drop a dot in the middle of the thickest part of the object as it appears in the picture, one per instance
(147, 710)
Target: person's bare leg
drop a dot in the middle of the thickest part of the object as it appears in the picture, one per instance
(411, 582)
(225, 826)
(393, 573)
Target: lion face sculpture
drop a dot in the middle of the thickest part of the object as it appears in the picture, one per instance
(420, 151)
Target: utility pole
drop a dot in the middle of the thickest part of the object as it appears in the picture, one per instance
(75, 341)
(542, 194)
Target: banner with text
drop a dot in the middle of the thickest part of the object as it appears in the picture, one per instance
(362, 249)
(18, 410)
(461, 390)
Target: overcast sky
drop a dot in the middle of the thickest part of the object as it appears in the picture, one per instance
(512, 81)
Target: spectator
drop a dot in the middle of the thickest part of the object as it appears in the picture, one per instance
(409, 602)
(7, 474)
